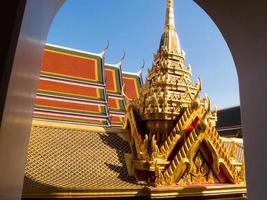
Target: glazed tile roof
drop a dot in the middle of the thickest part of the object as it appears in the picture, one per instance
(133, 83)
(76, 159)
(77, 87)
(71, 87)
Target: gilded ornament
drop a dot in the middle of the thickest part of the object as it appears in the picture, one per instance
(170, 122)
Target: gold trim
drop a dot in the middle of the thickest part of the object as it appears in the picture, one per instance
(152, 192)
(69, 126)
(80, 127)
(172, 192)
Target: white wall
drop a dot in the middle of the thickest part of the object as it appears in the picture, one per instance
(19, 102)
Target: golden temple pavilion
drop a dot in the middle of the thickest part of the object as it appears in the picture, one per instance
(104, 134)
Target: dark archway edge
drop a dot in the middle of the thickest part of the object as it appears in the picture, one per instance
(243, 24)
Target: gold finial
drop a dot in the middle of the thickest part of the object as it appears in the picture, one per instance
(169, 39)
(170, 3)
(169, 20)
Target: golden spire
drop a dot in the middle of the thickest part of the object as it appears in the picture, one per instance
(169, 121)
(169, 87)
(169, 19)
(169, 39)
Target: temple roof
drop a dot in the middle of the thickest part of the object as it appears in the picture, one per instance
(229, 117)
(78, 87)
(133, 83)
(229, 122)
(72, 160)
(76, 158)
(169, 87)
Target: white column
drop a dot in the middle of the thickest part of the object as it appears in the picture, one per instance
(18, 105)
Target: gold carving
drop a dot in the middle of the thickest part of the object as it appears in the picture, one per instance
(155, 148)
(172, 129)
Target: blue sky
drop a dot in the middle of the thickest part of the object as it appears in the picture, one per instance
(136, 26)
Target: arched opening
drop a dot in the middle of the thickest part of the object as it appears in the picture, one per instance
(251, 97)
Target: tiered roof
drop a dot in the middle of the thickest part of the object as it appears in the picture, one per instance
(115, 98)
(77, 87)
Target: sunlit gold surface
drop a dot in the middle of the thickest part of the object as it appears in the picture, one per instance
(172, 128)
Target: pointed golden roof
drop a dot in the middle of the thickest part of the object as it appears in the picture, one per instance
(169, 39)
(169, 88)
(172, 129)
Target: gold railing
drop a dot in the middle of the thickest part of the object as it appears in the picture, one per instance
(138, 141)
(223, 157)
